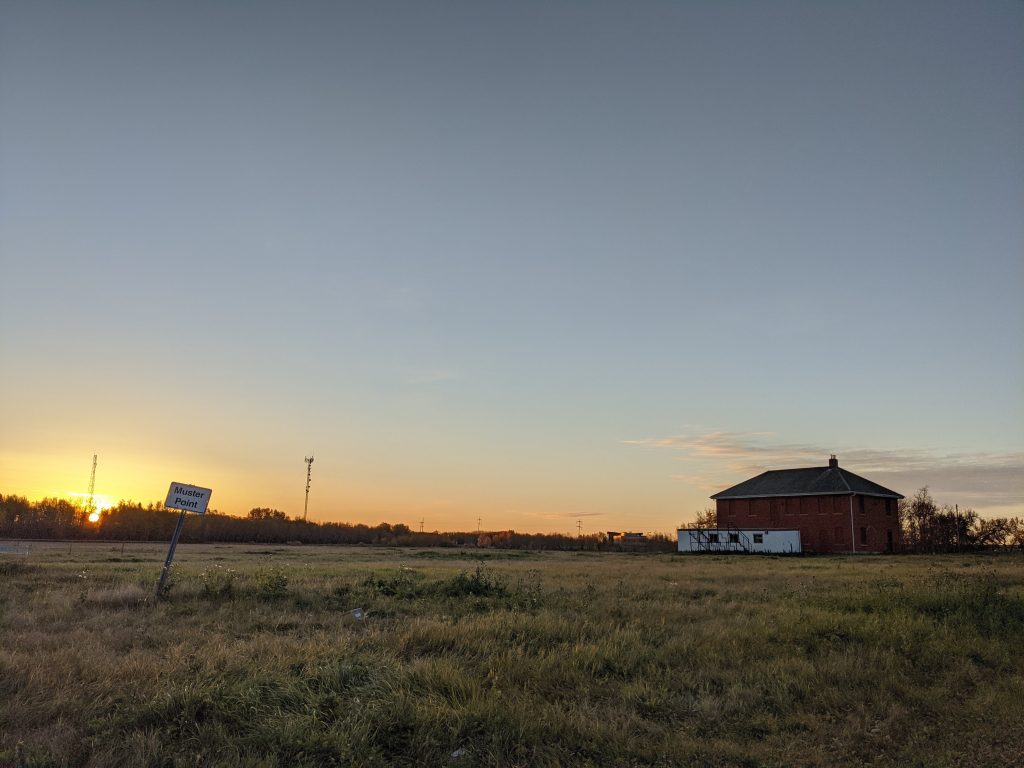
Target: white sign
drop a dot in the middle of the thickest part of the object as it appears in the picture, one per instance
(188, 497)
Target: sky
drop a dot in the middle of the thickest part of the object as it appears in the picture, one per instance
(524, 263)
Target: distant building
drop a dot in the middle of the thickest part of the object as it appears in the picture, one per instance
(833, 509)
(626, 538)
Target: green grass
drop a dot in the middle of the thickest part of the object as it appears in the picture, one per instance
(525, 659)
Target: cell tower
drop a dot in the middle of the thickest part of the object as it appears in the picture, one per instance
(309, 476)
(89, 500)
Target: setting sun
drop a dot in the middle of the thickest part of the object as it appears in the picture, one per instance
(100, 504)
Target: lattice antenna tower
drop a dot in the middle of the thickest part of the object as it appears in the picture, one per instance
(90, 499)
(309, 477)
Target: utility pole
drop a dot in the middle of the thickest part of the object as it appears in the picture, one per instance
(90, 499)
(422, 520)
(478, 526)
(309, 474)
(579, 529)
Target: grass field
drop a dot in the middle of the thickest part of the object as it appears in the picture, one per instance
(507, 659)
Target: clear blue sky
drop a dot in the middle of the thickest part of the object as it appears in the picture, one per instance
(528, 262)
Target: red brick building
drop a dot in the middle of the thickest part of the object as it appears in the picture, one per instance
(835, 510)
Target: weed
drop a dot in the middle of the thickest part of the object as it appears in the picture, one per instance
(405, 583)
(528, 593)
(479, 583)
(219, 582)
(271, 584)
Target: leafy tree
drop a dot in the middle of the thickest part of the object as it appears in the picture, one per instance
(13, 510)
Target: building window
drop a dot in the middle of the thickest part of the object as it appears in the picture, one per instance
(888, 540)
(734, 538)
(863, 535)
(860, 504)
(759, 538)
(713, 538)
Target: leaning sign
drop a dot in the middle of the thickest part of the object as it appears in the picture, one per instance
(187, 498)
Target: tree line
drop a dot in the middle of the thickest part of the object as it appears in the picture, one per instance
(55, 518)
(930, 528)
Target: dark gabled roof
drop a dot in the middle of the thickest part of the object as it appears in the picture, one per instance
(810, 481)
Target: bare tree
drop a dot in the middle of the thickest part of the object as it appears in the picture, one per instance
(707, 518)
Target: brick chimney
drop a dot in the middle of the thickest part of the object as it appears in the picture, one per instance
(833, 462)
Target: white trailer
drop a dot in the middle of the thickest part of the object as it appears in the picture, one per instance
(769, 540)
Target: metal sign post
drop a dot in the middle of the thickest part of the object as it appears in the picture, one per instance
(187, 498)
(170, 554)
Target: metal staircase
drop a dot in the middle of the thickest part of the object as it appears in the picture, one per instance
(711, 539)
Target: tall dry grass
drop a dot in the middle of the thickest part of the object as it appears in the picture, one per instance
(527, 659)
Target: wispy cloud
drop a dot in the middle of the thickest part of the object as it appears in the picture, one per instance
(714, 460)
